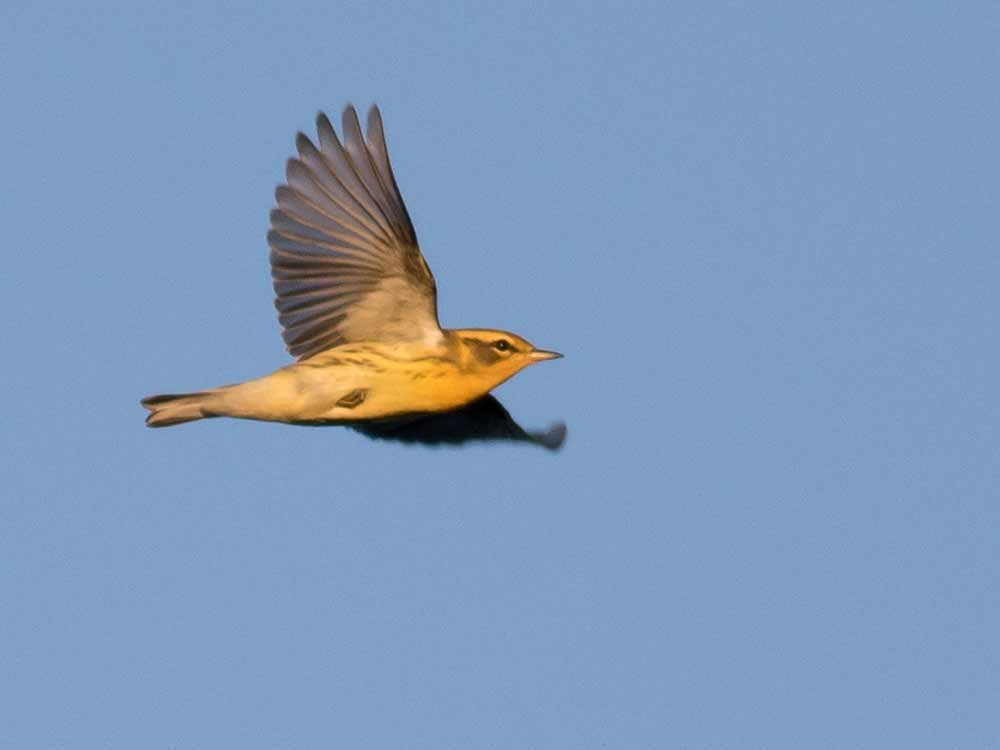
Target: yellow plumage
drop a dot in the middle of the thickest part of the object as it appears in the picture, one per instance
(357, 302)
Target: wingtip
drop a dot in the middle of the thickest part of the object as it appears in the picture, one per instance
(553, 438)
(350, 124)
(373, 123)
(324, 129)
(303, 143)
(349, 120)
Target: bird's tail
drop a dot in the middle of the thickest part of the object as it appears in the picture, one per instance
(176, 408)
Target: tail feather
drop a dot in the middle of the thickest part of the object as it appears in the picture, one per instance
(176, 408)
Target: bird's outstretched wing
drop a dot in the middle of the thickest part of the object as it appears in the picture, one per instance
(344, 256)
(483, 419)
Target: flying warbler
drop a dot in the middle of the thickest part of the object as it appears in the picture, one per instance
(358, 308)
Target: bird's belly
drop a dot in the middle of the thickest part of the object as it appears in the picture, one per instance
(409, 391)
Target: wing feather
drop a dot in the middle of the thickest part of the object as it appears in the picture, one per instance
(341, 163)
(380, 157)
(345, 263)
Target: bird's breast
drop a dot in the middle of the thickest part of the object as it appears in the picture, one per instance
(419, 388)
(378, 384)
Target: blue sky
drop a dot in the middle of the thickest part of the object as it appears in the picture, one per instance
(765, 236)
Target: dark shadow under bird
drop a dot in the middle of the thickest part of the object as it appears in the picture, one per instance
(483, 420)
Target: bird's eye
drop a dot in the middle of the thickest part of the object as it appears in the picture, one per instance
(501, 345)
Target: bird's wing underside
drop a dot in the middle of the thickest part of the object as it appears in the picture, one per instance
(344, 256)
(484, 419)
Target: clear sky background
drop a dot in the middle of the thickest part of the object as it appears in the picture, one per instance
(764, 234)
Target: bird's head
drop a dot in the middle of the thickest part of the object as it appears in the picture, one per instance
(496, 355)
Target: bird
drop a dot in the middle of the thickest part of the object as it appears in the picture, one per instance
(357, 304)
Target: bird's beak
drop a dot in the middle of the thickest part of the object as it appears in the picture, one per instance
(540, 355)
